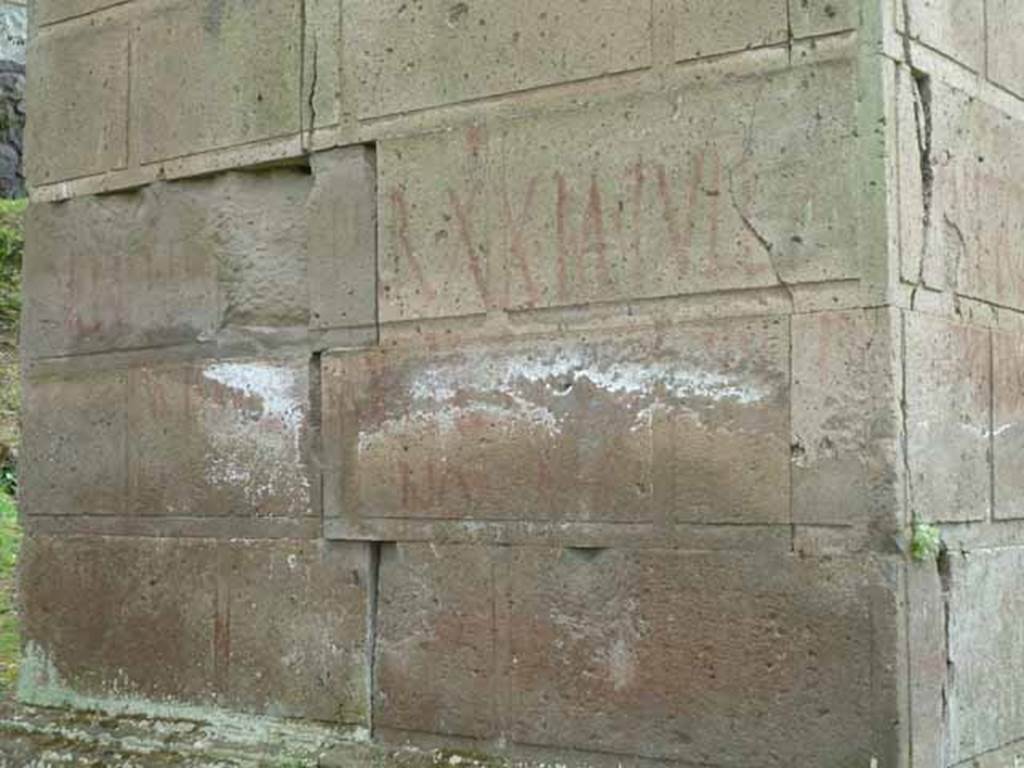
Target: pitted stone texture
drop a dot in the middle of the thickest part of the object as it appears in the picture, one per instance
(846, 418)
(948, 416)
(119, 271)
(49, 11)
(257, 225)
(176, 263)
(682, 425)
(1005, 49)
(820, 17)
(74, 445)
(709, 27)
(1008, 423)
(78, 99)
(406, 56)
(702, 658)
(258, 627)
(224, 437)
(215, 74)
(986, 651)
(954, 27)
(977, 203)
(620, 201)
(436, 652)
(342, 232)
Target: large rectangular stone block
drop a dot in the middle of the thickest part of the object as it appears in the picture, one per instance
(215, 73)
(436, 647)
(226, 437)
(1005, 22)
(976, 202)
(120, 271)
(954, 27)
(845, 418)
(404, 57)
(752, 183)
(175, 263)
(986, 651)
(78, 99)
(655, 428)
(1008, 424)
(709, 27)
(342, 233)
(948, 411)
(268, 628)
(702, 658)
(74, 444)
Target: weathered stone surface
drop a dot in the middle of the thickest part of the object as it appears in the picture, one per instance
(1005, 52)
(224, 437)
(411, 56)
(49, 11)
(927, 662)
(976, 206)
(986, 651)
(215, 74)
(342, 233)
(435, 653)
(119, 271)
(321, 78)
(79, 100)
(175, 263)
(258, 228)
(73, 446)
(948, 380)
(259, 627)
(630, 200)
(705, 658)
(680, 425)
(955, 27)
(709, 27)
(819, 17)
(1008, 424)
(845, 418)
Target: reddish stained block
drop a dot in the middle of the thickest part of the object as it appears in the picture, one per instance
(682, 425)
(699, 657)
(435, 640)
(187, 440)
(632, 199)
(74, 444)
(225, 437)
(1008, 453)
(270, 628)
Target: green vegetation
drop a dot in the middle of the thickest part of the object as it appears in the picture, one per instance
(10, 539)
(926, 543)
(11, 249)
(12, 245)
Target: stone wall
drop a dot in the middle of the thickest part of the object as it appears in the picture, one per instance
(563, 380)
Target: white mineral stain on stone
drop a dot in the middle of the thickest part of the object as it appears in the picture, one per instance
(500, 390)
(273, 385)
(262, 457)
(506, 375)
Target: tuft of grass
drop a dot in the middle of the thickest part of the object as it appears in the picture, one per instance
(926, 543)
(10, 541)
